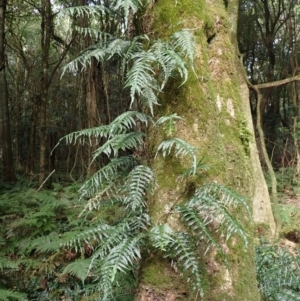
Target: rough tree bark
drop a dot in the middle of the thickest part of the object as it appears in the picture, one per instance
(215, 106)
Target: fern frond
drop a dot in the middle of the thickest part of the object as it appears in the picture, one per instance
(102, 200)
(79, 268)
(42, 244)
(181, 249)
(185, 255)
(85, 10)
(140, 78)
(94, 33)
(110, 173)
(224, 195)
(169, 122)
(8, 295)
(127, 121)
(29, 264)
(93, 234)
(84, 59)
(113, 237)
(199, 228)
(7, 264)
(139, 222)
(168, 118)
(148, 98)
(121, 257)
(161, 236)
(169, 61)
(286, 295)
(107, 48)
(184, 42)
(181, 148)
(120, 125)
(140, 181)
(120, 142)
(120, 47)
(128, 6)
(277, 273)
(213, 211)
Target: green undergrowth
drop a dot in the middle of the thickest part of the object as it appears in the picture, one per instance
(32, 225)
(289, 202)
(278, 272)
(278, 263)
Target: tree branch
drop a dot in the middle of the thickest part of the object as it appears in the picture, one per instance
(276, 83)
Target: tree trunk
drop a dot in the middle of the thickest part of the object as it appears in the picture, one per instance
(6, 154)
(45, 46)
(215, 106)
(92, 112)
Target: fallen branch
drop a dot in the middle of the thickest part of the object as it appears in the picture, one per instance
(52, 172)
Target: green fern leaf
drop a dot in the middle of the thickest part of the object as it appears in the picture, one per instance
(185, 257)
(277, 273)
(29, 264)
(7, 264)
(161, 236)
(77, 239)
(8, 295)
(121, 125)
(287, 295)
(117, 168)
(94, 33)
(83, 11)
(213, 211)
(185, 42)
(121, 257)
(199, 228)
(140, 180)
(79, 268)
(181, 148)
(169, 61)
(46, 243)
(181, 249)
(169, 123)
(141, 81)
(120, 142)
(128, 6)
(225, 195)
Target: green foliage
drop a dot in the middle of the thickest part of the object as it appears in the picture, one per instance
(142, 80)
(122, 186)
(32, 224)
(7, 295)
(278, 273)
(169, 123)
(181, 148)
(81, 250)
(182, 249)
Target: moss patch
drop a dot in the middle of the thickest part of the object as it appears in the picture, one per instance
(159, 274)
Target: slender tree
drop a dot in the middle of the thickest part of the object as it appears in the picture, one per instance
(5, 138)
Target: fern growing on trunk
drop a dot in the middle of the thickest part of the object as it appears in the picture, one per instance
(123, 185)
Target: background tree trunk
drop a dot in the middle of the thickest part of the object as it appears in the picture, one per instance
(45, 46)
(215, 106)
(6, 154)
